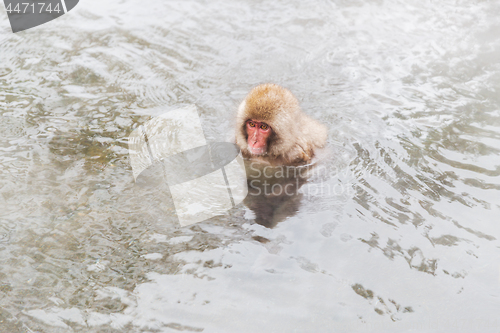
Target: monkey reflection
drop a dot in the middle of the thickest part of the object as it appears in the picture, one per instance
(276, 137)
(273, 192)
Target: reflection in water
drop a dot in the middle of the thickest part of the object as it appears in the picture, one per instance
(397, 238)
(273, 192)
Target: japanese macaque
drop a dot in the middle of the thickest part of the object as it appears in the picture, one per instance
(272, 128)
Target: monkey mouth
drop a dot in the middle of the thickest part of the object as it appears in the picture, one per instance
(257, 151)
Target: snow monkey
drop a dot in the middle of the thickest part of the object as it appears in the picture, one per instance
(272, 128)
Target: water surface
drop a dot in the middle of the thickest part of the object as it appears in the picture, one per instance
(402, 235)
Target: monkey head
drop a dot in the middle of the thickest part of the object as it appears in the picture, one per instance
(271, 126)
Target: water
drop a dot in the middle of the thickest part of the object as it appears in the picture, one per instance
(402, 234)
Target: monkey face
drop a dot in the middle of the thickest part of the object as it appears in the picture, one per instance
(258, 134)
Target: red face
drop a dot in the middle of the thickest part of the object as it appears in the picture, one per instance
(258, 133)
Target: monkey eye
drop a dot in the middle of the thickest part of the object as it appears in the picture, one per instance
(251, 124)
(264, 126)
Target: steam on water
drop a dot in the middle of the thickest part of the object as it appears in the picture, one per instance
(399, 233)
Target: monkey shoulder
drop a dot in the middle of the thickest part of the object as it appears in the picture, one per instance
(312, 137)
